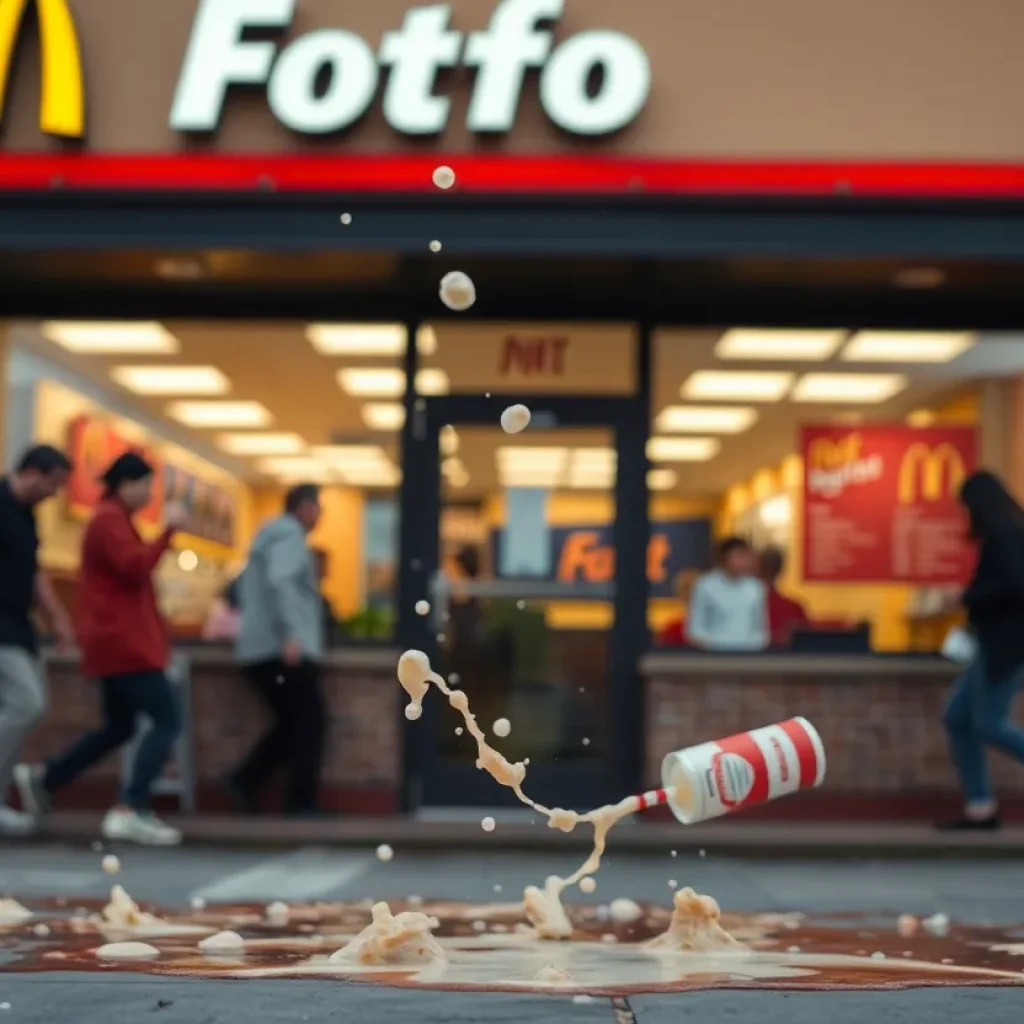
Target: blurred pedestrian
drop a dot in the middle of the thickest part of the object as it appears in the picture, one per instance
(124, 644)
(978, 713)
(728, 606)
(280, 647)
(41, 473)
(225, 618)
(784, 613)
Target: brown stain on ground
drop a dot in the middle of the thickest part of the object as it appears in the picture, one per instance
(320, 929)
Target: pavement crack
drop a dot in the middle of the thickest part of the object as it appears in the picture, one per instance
(623, 1011)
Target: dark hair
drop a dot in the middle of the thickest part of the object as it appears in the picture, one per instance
(731, 544)
(990, 506)
(232, 596)
(299, 495)
(772, 561)
(126, 468)
(45, 459)
(468, 560)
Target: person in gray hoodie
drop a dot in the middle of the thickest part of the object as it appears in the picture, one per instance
(280, 646)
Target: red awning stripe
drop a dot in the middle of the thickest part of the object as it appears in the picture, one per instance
(507, 175)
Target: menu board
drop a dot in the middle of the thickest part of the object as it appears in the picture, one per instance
(881, 504)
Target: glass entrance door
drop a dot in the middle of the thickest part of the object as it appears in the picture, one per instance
(525, 596)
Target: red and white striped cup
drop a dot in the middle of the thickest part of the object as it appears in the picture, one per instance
(740, 771)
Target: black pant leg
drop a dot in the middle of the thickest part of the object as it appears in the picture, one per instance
(306, 738)
(267, 680)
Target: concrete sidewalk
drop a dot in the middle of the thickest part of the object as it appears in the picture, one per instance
(768, 839)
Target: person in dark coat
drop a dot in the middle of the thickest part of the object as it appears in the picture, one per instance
(978, 713)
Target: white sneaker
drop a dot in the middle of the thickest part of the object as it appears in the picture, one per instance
(135, 827)
(16, 823)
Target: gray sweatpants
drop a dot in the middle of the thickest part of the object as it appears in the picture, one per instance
(22, 703)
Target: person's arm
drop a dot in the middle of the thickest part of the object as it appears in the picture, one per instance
(698, 616)
(53, 606)
(287, 564)
(114, 540)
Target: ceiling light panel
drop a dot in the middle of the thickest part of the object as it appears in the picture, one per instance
(261, 444)
(111, 338)
(682, 449)
(907, 346)
(854, 388)
(780, 345)
(358, 339)
(662, 479)
(295, 469)
(385, 382)
(738, 385)
(207, 415)
(705, 419)
(171, 380)
(384, 415)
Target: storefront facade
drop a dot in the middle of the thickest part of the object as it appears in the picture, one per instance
(625, 169)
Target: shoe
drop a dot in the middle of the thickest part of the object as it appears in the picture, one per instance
(16, 823)
(139, 827)
(35, 797)
(241, 799)
(990, 824)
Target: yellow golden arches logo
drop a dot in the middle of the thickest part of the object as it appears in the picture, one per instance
(931, 473)
(62, 104)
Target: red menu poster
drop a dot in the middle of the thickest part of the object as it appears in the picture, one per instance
(880, 504)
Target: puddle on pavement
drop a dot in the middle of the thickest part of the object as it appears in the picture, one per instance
(488, 949)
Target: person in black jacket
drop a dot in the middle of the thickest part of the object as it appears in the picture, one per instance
(978, 712)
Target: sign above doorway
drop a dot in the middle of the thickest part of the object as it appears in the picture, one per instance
(591, 84)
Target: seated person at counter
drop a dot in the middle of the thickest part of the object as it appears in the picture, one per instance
(728, 607)
(784, 614)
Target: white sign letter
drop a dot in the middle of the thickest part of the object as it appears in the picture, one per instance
(217, 57)
(415, 53)
(502, 54)
(353, 72)
(623, 92)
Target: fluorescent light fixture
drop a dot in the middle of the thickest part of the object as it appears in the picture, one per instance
(295, 468)
(111, 338)
(371, 382)
(588, 478)
(526, 477)
(705, 419)
(426, 341)
(346, 455)
(662, 479)
(602, 458)
(432, 381)
(907, 346)
(205, 415)
(384, 382)
(452, 465)
(261, 444)
(782, 345)
(738, 385)
(848, 387)
(357, 339)
(449, 440)
(682, 449)
(384, 415)
(370, 475)
(541, 460)
(171, 380)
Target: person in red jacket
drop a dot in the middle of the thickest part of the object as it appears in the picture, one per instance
(124, 643)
